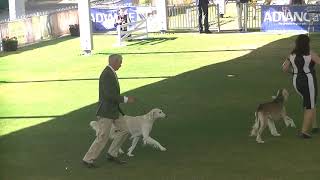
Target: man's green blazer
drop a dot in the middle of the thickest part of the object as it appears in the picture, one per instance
(109, 95)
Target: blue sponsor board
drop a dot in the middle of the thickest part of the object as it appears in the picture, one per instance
(290, 18)
(104, 19)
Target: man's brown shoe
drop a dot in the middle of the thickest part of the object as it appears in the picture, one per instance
(89, 165)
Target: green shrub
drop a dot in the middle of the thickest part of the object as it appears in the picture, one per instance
(74, 30)
(10, 44)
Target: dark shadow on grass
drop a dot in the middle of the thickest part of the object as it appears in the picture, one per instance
(29, 117)
(81, 79)
(150, 41)
(37, 45)
(206, 133)
(182, 52)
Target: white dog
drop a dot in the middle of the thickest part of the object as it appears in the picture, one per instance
(137, 126)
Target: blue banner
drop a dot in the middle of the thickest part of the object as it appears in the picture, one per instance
(290, 18)
(104, 19)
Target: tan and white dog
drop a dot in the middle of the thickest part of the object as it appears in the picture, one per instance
(137, 126)
(269, 112)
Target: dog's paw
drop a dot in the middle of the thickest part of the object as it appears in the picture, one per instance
(276, 134)
(129, 154)
(94, 125)
(163, 149)
(253, 133)
(293, 125)
(287, 123)
(260, 141)
(121, 151)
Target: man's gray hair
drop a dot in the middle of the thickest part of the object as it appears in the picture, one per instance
(114, 58)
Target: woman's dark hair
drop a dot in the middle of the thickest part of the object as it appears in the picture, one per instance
(302, 45)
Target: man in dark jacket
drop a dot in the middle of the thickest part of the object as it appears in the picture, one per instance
(108, 112)
(203, 8)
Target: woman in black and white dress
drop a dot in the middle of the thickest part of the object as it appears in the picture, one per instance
(302, 61)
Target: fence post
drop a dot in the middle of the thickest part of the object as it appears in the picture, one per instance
(245, 11)
(119, 34)
(85, 26)
(188, 16)
(162, 14)
(16, 9)
(1, 46)
(218, 16)
(146, 27)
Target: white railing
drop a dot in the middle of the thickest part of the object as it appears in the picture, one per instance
(1, 46)
(186, 17)
(139, 31)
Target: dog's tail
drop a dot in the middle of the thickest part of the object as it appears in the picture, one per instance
(255, 126)
(95, 126)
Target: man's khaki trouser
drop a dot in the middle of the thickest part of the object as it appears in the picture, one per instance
(103, 136)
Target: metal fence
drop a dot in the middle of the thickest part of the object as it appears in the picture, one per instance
(254, 16)
(186, 17)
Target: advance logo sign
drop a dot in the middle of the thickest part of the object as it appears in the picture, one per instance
(277, 18)
(104, 19)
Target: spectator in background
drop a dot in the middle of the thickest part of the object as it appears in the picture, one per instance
(222, 7)
(242, 11)
(122, 18)
(203, 8)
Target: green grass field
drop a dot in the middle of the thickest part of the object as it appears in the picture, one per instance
(208, 85)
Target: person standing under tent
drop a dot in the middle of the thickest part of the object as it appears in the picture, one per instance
(122, 18)
(222, 7)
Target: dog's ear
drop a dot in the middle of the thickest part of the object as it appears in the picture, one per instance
(152, 114)
(155, 113)
(280, 93)
(279, 96)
